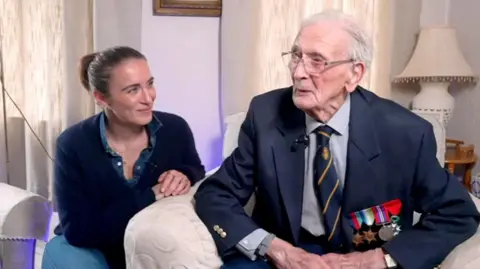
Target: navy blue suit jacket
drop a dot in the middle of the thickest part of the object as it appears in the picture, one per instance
(391, 155)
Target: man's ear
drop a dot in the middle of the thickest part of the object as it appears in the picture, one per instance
(357, 73)
(100, 98)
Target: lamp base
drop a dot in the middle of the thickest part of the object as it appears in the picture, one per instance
(434, 97)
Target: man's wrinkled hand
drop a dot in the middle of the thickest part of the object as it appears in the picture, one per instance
(340, 261)
(173, 183)
(372, 259)
(286, 256)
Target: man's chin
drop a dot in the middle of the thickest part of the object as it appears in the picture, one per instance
(302, 103)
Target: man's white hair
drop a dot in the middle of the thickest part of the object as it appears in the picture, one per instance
(361, 48)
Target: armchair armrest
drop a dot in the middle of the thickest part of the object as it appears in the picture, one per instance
(467, 254)
(23, 214)
(169, 234)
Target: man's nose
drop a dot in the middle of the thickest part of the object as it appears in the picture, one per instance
(299, 71)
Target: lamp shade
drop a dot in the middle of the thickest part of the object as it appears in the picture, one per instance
(437, 58)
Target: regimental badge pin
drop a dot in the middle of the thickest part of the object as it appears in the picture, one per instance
(325, 153)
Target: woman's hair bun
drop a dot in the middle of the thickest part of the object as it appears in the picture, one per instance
(85, 62)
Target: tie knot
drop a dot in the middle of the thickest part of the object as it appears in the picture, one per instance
(325, 131)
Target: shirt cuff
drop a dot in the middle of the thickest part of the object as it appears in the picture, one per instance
(250, 243)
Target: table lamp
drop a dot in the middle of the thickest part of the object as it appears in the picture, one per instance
(436, 62)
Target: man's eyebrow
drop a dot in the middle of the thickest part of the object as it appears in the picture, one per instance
(312, 54)
(315, 54)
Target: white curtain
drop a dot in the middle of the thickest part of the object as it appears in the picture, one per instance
(255, 33)
(41, 42)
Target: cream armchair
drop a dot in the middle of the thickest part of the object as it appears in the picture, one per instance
(24, 219)
(169, 234)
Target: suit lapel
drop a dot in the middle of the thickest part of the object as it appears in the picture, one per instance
(362, 157)
(289, 160)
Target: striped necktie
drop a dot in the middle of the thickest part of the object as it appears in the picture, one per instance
(327, 186)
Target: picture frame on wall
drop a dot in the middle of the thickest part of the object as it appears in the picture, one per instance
(203, 8)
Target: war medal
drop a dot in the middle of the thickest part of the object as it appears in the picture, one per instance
(369, 236)
(356, 222)
(382, 220)
(367, 217)
(388, 231)
(358, 238)
(390, 225)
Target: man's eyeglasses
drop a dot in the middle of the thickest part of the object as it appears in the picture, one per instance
(313, 66)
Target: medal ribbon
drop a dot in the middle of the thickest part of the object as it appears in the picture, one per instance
(356, 220)
(377, 214)
(394, 207)
(368, 216)
(381, 215)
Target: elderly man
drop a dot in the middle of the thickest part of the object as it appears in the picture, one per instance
(337, 170)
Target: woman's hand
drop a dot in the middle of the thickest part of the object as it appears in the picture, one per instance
(172, 183)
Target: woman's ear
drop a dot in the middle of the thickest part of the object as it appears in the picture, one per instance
(100, 98)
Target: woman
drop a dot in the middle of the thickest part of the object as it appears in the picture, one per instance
(114, 164)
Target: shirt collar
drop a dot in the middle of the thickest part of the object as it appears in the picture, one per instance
(152, 129)
(339, 121)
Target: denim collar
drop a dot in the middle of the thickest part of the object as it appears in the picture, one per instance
(152, 129)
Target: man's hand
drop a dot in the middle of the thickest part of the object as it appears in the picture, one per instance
(286, 256)
(372, 259)
(172, 183)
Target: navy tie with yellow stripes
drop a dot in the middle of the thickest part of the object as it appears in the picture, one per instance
(327, 186)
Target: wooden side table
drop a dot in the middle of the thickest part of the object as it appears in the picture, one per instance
(461, 155)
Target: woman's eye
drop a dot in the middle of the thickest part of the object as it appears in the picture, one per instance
(133, 90)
